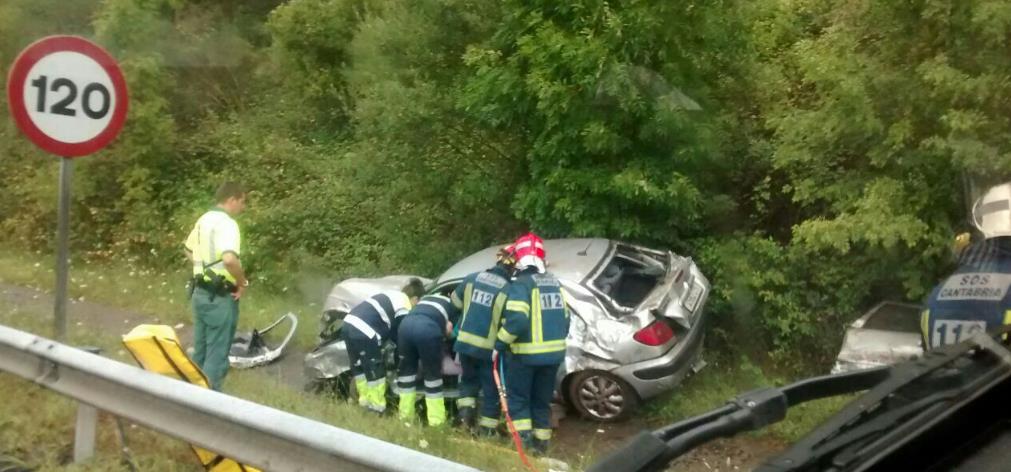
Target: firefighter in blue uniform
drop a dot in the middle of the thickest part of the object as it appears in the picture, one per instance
(368, 325)
(531, 342)
(421, 337)
(976, 297)
(481, 296)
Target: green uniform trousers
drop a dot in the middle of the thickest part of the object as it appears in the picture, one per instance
(214, 321)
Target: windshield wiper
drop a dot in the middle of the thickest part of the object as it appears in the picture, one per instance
(753, 410)
(920, 392)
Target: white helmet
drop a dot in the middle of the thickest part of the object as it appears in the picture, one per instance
(992, 212)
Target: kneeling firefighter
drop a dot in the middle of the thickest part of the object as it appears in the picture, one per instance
(481, 296)
(977, 296)
(531, 342)
(366, 327)
(421, 337)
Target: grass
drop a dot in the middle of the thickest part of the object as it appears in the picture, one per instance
(161, 295)
(43, 437)
(37, 425)
(724, 379)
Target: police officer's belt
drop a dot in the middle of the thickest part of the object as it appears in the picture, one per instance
(219, 288)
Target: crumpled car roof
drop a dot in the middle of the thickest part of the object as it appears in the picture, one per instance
(352, 291)
(572, 259)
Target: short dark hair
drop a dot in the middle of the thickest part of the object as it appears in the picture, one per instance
(228, 190)
(414, 288)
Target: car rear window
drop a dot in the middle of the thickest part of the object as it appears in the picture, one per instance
(895, 317)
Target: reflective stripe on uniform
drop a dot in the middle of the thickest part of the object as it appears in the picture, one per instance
(475, 340)
(538, 348)
(407, 378)
(437, 383)
(379, 309)
(521, 307)
(1007, 321)
(466, 402)
(542, 434)
(523, 425)
(536, 327)
(437, 307)
(487, 422)
(506, 336)
(456, 300)
(361, 325)
(496, 316)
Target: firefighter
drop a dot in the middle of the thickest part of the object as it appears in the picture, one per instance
(531, 342)
(368, 325)
(481, 296)
(976, 297)
(421, 337)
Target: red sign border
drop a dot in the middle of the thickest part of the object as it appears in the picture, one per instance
(15, 94)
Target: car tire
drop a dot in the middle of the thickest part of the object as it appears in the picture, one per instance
(601, 396)
(341, 386)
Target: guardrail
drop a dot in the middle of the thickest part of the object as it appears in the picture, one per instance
(251, 433)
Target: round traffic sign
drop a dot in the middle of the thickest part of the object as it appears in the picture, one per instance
(67, 95)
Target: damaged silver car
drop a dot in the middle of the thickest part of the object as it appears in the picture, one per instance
(887, 334)
(637, 325)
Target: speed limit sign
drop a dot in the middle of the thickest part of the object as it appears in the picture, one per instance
(67, 95)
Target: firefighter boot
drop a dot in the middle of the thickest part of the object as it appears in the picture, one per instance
(435, 411)
(527, 437)
(406, 408)
(542, 437)
(465, 417)
(362, 389)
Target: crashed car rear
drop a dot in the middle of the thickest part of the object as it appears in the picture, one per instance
(637, 325)
(887, 334)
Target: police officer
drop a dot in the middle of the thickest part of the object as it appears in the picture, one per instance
(421, 337)
(532, 342)
(976, 297)
(366, 327)
(481, 296)
(218, 281)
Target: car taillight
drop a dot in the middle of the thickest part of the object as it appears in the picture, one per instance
(657, 333)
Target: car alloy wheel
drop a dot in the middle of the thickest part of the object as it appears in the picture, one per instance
(601, 396)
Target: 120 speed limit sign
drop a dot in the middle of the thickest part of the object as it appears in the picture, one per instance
(67, 95)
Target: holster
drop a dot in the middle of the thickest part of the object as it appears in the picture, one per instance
(214, 283)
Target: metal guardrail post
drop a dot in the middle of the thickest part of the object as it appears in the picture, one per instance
(84, 432)
(248, 432)
(86, 426)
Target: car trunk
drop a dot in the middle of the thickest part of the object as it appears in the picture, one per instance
(631, 275)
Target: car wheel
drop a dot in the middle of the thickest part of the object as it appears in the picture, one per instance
(601, 396)
(341, 386)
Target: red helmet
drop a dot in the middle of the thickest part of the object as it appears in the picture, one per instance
(529, 250)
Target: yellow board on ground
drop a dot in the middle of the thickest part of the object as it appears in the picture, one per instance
(156, 348)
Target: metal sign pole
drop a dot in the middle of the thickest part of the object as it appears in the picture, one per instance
(62, 249)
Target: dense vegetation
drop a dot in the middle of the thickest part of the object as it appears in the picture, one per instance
(814, 156)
